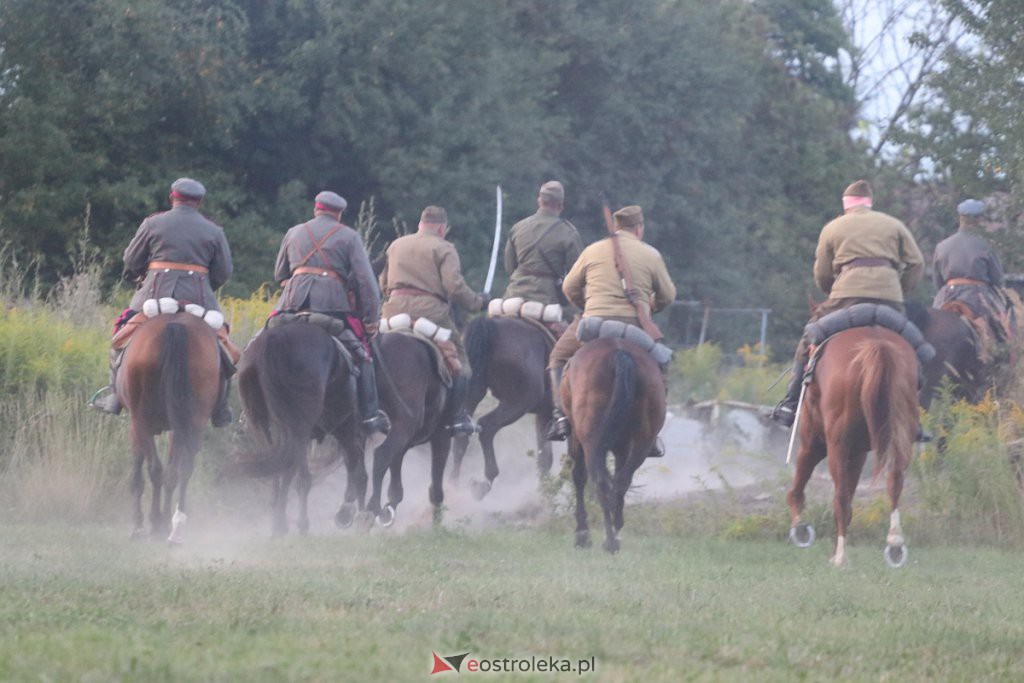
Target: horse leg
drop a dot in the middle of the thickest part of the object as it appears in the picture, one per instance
(626, 465)
(186, 457)
(303, 483)
(499, 418)
(279, 516)
(460, 444)
(440, 444)
(544, 459)
(382, 457)
(845, 464)
(579, 479)
(355, 483)
(802, 535)
(143, 449)
(895, 544)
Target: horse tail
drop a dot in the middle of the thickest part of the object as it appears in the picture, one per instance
(888, 412)
(174, 379)
(622, 396)
(480, 335)
(294, 395)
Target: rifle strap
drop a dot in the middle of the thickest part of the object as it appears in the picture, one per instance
(629, 289)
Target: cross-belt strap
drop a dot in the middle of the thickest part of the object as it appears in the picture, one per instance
(317, 245)
(323, 272)
(171, 265)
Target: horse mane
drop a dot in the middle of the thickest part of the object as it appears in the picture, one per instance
(917, 313)
(479, 339)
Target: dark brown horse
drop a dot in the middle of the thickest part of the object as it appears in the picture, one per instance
(614, 397)
(863, 397)
(296, 386)
(508, 356)
(169, 381)
(956, 354)
(416, 401)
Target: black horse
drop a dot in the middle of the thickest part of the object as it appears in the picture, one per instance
(296, 385)
(416, 401)
(508, 356)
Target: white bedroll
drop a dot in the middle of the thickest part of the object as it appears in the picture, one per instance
(517, 306)
(154, 307)
(422, 326)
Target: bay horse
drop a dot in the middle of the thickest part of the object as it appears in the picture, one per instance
(614, 397)
(956, 353)
(416, 401)
(169, 381)
(863, 397)
(509, 357)
(295, 387)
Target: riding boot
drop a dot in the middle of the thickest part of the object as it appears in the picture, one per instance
(461, 423)
(785, 411)
(374, 419)
(110, 403)
(558, 428)
(222, 415)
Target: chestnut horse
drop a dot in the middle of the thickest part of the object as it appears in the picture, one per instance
(296, 386)
(508, 356)
(416, 401)
(863, 397)
(169, 381)
(614, 397)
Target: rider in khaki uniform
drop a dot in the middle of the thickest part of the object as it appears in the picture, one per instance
(423, 277)
(594, 285)
(966, 269)
(864, 256)
(541, 249)
(324, 268)
(180, 254)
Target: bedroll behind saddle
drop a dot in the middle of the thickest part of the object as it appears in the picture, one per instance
(154, 307)
(866, 315)
(351, 347)
(593, 327)
(446, 353)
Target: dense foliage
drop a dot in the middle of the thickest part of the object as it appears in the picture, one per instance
(725, 120)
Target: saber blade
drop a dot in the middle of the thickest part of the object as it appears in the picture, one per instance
(497, 242)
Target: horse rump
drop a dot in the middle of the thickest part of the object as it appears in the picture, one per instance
(888, 398)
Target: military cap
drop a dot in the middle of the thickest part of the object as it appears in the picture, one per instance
(629, 217)
(971, 207)
(553, 189)
(858, 188)
(434, 214)
(186, 188)
(330, 201)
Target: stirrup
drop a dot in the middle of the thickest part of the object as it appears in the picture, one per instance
(784, 414)
(558, 429)
(222, 418)
(657, 450)
(109, 404)
(922, 436)
(378, 422)
(463, 425)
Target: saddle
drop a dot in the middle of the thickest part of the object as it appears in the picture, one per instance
(127, 325)
(348, 344)
(437, 339)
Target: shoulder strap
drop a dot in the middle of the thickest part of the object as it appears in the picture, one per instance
(630, 290)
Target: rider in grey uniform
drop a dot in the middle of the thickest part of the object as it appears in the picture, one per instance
(324, 268)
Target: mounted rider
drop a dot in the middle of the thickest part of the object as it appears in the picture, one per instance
(541, 248)
(967, 270)
(183, 255)
(422, 277)
(323, 267)
(863, 256)
(595, 285)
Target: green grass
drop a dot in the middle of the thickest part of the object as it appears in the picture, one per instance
(82, 603)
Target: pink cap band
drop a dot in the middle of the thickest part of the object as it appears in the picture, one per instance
(851, 201)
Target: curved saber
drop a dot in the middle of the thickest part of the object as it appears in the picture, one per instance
(497, 241)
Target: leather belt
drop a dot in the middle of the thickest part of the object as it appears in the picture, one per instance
(415, 291)
(965, 281)
(866, 262)
(323, 272)
(171, 265)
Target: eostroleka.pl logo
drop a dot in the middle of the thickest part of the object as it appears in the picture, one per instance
(512, 664)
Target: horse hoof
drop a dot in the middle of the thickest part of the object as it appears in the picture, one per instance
(895, 555)
(582, 539)
(345, 516)
(480, 488)
(386, 517)
(802, 535)
(611, 545)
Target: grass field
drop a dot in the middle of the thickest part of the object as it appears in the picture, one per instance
(83, 603)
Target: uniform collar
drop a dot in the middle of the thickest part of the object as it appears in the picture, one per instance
(626, 233)
(548, 212)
